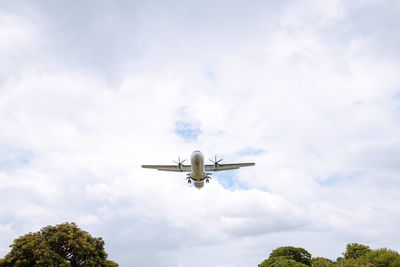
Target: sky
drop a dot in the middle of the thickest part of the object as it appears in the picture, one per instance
(308, 90)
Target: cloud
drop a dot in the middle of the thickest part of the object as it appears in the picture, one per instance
(90, 92)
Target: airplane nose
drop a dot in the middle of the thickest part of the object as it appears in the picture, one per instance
(199, 185)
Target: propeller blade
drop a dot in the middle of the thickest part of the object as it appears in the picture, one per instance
(215, 161)
(179, 163)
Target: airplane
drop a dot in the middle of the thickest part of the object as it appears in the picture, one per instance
(198, 171)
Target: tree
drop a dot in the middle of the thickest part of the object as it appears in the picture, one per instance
(321, 262)
(360, 262)
(383, 258)
(355, 251)
(298, 254)
(281, 261)
(61, 245)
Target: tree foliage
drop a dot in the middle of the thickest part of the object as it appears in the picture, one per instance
(321, 262)
(297, 254)
(61, 245)
(281, 261)
(356, 255)
(288, 256)
(383, 258)
(360, 262)
(355, 251)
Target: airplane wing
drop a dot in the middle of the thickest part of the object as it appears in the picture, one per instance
(225, 167)
(169, 168)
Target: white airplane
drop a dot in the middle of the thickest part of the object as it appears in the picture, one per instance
(198, 171)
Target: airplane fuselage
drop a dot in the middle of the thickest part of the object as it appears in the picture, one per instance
(198, 175)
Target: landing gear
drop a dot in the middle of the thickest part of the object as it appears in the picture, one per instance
(207, 180)
(189, 181)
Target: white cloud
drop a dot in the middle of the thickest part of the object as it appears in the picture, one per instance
(16, 34)
(93, 98)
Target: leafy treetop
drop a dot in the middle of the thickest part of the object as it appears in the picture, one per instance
(355, 251)
(297, 254)
(281, 261)
(356, 255)
(61, 245)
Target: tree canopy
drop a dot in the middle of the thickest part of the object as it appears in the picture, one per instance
(356, 255)
(281, 261)
(321, 262)
(288, 256)
(383, 258)
(355, 251)
(297, 254)
(61, 245)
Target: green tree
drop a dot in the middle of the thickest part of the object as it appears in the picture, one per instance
(298, 254)
(281, 261)
(360, 262)
(61, 245)
(321, 262)
(355, 251)
(383, 258)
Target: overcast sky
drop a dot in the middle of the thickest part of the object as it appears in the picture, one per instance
(309, 90)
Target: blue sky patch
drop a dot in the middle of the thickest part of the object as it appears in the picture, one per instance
(188, 131)
(251, 151)
(210, 75)
(331, 180)
(11, 159)
(229, 180)
(337, 178)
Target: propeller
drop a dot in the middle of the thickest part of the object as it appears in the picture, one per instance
(216, 162)
(179, 163)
